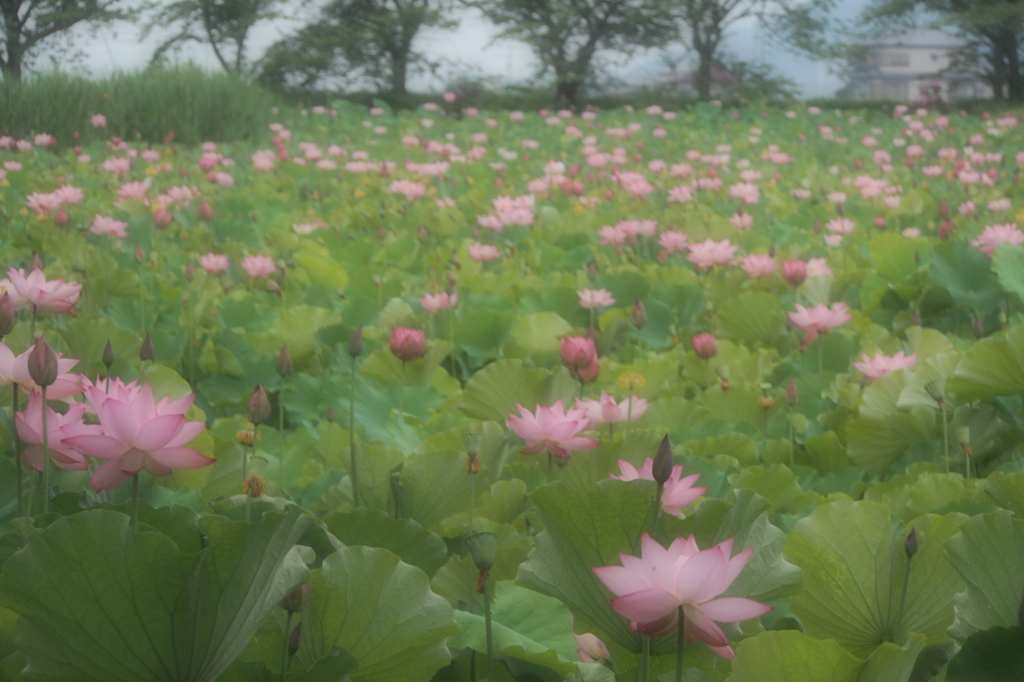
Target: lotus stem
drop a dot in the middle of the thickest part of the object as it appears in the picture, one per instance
(245, 470)
(487, 631)
(401, 396)
(32, 329)
(17, 454)
(657, 510)
(352, 437)
(945, 435)
(284, 647)
(549, 467)
(472, 498)
(280, 429)
(45, 489)
(135, 503)
(903, 600)
(643, 673)
(679, 646)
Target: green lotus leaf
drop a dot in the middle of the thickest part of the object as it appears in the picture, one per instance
(854, 571)
(993, 655)
(992, 367)
(988, 553)
(527, 626)
(381, 610)
(115, 605)
(404, 537)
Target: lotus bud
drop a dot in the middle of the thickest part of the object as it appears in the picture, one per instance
(946, 229)
(297, 599)
(910, 544)
(482, 548)
(206, 211)
(61, 219)
(108, 355)
(36, 263)
(638, 316)
(705, 346)
(816, 227)
(147, 351)
(355, 342)
(259, 405)
(662, 467)
(329, 413)
(879, 222)
(421, 233)
(795, 271)
(42, 363)
(934, 389)
(406, 344)
(162, 219)
(190, 271)
(7, 318)
(284, 361)
(295, 640)
(140, 255)
(792, 392)
(723, 373)
(944, 210)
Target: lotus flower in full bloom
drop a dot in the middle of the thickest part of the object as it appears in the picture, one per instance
(433, 303)
(819, 319)
(607, 411)
(483, 252)
(60, 428)
(877, 367)
(651, 589)
(759, 266)
(139, 433)
(214, 263)
(709, 253)
(679, 492)
(595, 298)
(54, 295)
(996, 235)
(553, 429)
(259, 266)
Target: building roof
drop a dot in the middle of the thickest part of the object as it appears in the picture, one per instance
(918, 37)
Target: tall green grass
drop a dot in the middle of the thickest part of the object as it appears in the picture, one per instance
(195, 104)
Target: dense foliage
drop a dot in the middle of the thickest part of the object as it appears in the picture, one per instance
(349, 399)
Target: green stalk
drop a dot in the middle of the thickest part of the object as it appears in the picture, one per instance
(679, 646)
(32, 329)
(657, 511)
(284, 647)
(487, 631)
(401, 396)
(46, 460)
(352, 437)
(945, 435)
(280, 428)
(245, 469)
(643, 673)
(17, 456)
(472, 499)
(135, 503)
(903, 600)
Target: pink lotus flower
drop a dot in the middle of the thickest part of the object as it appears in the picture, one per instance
(553, 429)
(14, 370)
(259, 266)
(820, 319)
(59, 427)
(705, 346)
(612, 236)
(591, 648)
(742, 221)
(709, 253)
(108, 226)
(795, 271)
(406, 344)
(433, 303)
(410, 189)
(214, 263)
(994, 236)
(679, 492)
(877, 367)
(818, 267)
(840, 226)
(759, 266)
(138, 434)
(650, 590)
(483, 252)
(98, 121)
(595, 298)
(607, 411)
(133, 190)
(54, 295)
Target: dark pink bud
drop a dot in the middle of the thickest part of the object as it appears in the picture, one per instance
(406, 344)
(705, 346)
(42, 363)
(205, 211)
(162, 218)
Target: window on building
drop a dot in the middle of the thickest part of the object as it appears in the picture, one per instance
(896, 59)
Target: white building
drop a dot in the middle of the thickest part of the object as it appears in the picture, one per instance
(912, 66)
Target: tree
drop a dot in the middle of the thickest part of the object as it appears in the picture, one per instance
(354, 41)
(567, 35)
(28, 23)
(992, 30)
(222, 24)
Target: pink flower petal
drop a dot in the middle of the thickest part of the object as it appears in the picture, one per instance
(108, 477)
(733, 609)
(646, 605)
(703, 627)
(181, 458)
(620, 580)
(118, 420)
(703, 577)
(158, 432)
(103, 447)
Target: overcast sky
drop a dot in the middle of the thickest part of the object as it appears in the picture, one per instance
(471, 46)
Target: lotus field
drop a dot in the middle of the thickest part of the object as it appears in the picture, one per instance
(722, 395)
